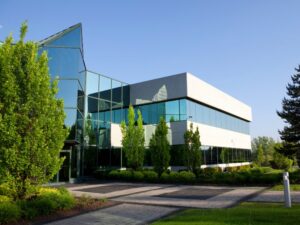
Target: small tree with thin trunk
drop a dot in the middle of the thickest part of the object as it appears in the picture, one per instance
(192, 148)
(133, 139)
(160, 147)
(32, 129)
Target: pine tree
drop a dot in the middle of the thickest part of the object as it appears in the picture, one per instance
(160, 147)
(32, 129)
(133, 139)
(192, 148)
(291, 115)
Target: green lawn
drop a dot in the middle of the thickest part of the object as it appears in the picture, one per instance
(293, 187)
(244, 214)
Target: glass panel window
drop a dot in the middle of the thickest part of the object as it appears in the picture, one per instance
(105, 88)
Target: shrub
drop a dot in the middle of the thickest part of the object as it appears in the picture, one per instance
(164, 177)
(186, 177)
(282, 162)
(47, 201)
(114, 174)
(173, 177)
(150, 175)
(9, 212)
(231, 169)
(4, 198)
(209, 171)
(6, 190)
(125, 175)
(137, 175)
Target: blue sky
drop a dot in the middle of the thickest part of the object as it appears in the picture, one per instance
(246, 48)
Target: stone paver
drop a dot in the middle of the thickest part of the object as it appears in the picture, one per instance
(224, 200)
(275, 196)
(125, 214)
(79, 190)
(143, 203)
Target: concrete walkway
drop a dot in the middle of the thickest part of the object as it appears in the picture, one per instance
(126, 214)
(275, 196)
(143, 203)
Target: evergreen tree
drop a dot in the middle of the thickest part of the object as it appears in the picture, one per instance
(291, 115)
(133, 139)
(192, 148)
(32, 129)
(160, 147)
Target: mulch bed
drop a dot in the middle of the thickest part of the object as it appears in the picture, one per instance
(80, 208)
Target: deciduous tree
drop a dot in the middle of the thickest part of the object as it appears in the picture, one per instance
(32, 129)
(133, 139)
(160, 147)
(192, 148)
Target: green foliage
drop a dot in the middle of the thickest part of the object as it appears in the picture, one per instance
(32, 129)
(125, 175)
(262, 150)
(133, 139)
(137, 176)
(282, 162)
(186, 177)
(46, 202)
(291, 116)
(192, 148)
(9, 212)
(260, 155)
(150, 176)
(114, 174)
(242, 214)
(209, 171)
(160, 147)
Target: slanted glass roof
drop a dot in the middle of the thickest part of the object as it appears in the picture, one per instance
(70, 37)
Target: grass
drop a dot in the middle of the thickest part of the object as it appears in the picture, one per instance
(244, 214)
(279, 187)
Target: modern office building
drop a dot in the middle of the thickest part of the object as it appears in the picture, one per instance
(96, 104)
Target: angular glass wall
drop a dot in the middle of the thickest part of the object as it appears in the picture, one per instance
(103, 94)
(66, 63)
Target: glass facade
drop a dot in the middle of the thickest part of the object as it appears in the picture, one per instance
(185, 109)
(93, 102)
(66, 63)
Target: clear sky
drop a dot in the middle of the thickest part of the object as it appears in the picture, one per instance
(246, 48)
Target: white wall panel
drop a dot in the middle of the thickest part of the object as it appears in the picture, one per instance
(213, 136)
(206, 93)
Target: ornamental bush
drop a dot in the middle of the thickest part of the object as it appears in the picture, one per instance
(150, 176)
(9, 212)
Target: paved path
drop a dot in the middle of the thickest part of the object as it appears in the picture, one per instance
(275, 196)
(223, 200)
(143, 203)
(125, 214)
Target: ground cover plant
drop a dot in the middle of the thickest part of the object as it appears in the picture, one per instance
(244, 214)
(49, 203)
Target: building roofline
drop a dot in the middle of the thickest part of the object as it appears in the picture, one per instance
(59, 34)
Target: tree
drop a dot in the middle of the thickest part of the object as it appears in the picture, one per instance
(260, 155)
(267, 145)
(160, 147)
(279, 160)
(133, 139)
(291, 115)
(32, 131)
(192, 148)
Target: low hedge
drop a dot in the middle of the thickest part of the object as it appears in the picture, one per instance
(243, 175)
